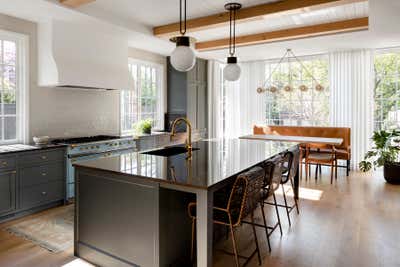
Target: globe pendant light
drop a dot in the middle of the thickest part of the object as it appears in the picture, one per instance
(232, 69)
(183, 57)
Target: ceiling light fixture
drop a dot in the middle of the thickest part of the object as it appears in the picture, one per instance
(272, 86)
(183, 57)
(232, 69)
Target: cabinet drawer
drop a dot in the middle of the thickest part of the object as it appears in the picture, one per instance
(41, 194)
(41, 157)
(7, 192)
(41, 174)
(7, 163)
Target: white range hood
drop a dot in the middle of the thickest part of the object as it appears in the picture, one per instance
(76, 55)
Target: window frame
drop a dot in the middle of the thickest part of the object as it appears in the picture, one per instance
(161, 94)
(21, 87)
(270, 64)
(378, 52)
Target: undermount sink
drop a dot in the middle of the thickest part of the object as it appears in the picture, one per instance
(169, 151)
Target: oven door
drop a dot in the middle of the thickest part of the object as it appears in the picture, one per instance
(72, 159)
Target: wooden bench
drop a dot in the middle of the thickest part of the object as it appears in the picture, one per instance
(343, 151)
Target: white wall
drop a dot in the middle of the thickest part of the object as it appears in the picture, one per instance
(63, 112)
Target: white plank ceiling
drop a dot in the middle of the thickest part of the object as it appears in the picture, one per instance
(155, 12)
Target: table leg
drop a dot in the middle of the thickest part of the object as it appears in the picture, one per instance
(204, 228)
(297, 182)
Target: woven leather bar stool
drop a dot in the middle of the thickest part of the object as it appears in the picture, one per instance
(243, 199)
(291, 165)
(273, 178)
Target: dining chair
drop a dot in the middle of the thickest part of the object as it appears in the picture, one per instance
(313, 155)
(230, 211)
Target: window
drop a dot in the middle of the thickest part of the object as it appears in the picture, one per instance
(387, 90)
(145, 99)
(12, 87)
(298, 108)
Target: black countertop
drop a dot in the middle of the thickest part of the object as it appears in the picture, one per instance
(213, 162)
(17, 148)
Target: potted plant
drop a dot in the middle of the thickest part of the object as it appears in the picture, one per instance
(144, 126)
(385, 153)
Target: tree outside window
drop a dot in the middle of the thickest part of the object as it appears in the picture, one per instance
(144, 100)
(8, 89)
(296, 107)
(387, 91)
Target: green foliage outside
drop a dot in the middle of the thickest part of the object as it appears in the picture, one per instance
(8, 97)
(143, 126)
(148, 92)
(387, 83)
(299, 107)
(386, 149)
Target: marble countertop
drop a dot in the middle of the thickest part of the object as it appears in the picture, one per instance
(16, 148)
(213, 162)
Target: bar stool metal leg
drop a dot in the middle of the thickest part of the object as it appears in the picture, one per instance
(286, 205)
(295, 200)
(193, 238)
(235, 250)
(265, 226)
(277, 213)
(255, 237)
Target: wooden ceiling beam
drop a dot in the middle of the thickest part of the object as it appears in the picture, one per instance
(75, 3)
(249, 13)
(351, 25)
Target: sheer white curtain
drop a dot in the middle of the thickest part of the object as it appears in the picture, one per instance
(351, 82)
(244, 107)
(215, 98)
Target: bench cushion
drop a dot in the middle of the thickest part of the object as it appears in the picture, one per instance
(343, 150)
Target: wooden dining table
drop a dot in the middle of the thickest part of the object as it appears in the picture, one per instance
(297, 139)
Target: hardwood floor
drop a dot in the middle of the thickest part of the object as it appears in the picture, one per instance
(354, 222)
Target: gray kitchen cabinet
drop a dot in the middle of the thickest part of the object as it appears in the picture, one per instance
(7, 163)
(201, 112)
(192, 104)
(176, 95)
(187, 94)
(201, 71)
(197, 95)
(7, 192)
(31, 181)
(37, 195)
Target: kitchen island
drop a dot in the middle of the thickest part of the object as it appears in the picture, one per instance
(131, 209)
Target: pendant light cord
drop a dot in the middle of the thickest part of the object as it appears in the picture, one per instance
(182, 29)
(232, 32)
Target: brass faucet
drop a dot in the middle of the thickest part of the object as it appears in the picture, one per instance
(189, 132)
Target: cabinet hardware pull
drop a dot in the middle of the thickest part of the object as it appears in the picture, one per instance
(44, 193)
(44, 174)
(5, 163)
(44, 157)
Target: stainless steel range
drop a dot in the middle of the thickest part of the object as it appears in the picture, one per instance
(91, 147)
